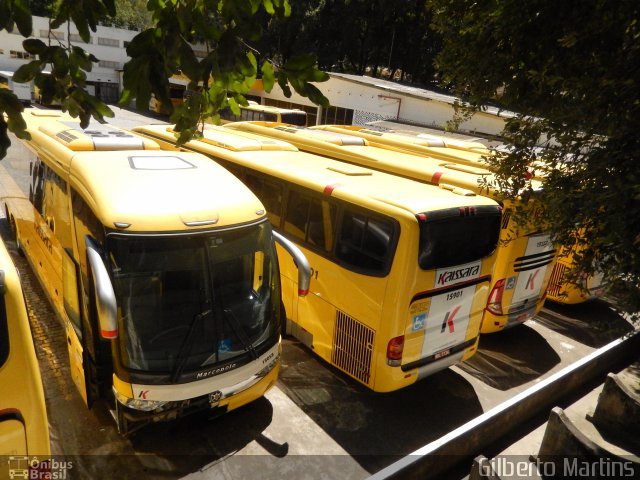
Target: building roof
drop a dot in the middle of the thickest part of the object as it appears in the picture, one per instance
(410, 91)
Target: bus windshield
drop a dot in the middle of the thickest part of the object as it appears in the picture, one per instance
(189, 302)
(456, 236)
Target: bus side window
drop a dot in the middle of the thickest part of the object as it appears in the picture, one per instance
(269, 117)
(37, 186)
(70, 292)
(4, 328)
(364, 242)
(295, 220)
(270, 194)
(304, 219)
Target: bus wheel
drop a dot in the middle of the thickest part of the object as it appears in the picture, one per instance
(121, 421)
(14, 231)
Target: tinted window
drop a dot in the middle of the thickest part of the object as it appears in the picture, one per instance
(295, 118)
(448, 238)
(4, 331)
(270, 194)
(310, 219)
(365, 243)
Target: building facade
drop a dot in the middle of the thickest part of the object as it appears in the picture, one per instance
(354, 99)
(107, 44)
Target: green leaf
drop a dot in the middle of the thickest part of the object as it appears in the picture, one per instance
(27, 72)
(268, 76)
(5, 143)
(22, 17)
(34, 46)
(268, 6)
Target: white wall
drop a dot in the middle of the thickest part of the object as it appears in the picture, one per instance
(115, 54)
(379, 102)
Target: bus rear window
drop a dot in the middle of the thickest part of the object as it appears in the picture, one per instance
(449, 237)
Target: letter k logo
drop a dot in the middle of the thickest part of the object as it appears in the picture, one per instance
(448, 320)
(531, 281)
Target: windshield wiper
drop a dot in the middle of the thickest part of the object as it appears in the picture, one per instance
(246, 343)
(187, 345)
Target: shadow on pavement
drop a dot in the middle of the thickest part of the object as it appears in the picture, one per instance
(594, 323)
(511, 358)
(375, 428)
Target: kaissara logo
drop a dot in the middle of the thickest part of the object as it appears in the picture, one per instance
(449, 276)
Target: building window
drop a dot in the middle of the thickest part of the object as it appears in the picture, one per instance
(109, 64)
(108, 42)
(21, 55)
(56, 35)
(337, 116)
(74, 37)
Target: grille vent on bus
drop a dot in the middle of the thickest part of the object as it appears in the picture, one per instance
(555, 282)
(352, 347)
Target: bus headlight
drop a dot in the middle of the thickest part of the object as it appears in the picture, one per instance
(140, 404)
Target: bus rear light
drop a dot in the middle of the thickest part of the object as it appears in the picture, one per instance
(394, 351)
(494, 304)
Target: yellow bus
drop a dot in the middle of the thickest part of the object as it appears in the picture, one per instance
(168, 288)
(264, 113)
(24, 430)
(588, 287)
(177, 91)
(397, 291)
(525, 256)
(471, 153)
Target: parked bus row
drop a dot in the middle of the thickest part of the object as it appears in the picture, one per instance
(162, 265)
(473, 154)
(525, 255)
(397, 292)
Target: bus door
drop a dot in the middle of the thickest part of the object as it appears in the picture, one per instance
(73, 326)
(311, 220)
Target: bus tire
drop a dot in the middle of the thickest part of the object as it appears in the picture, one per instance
(14, 231)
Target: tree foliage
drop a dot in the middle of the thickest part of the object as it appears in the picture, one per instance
(221, 31)
(571, 71)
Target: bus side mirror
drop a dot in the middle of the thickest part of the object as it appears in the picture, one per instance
(299, 258)
(104, 294)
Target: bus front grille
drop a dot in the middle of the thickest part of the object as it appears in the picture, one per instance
(555, 283)
(352, 347)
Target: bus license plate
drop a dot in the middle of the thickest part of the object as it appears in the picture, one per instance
(443, 353)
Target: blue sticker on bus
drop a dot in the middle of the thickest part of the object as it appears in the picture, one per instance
(224, 345)
(419, 322)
